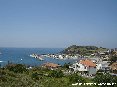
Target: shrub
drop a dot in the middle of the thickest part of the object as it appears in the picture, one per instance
(76, 78)
(66, 65)
(18, 68)
(56, 74)
(35, 76)
(104, 78)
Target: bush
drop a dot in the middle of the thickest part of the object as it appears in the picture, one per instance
(3, 79)
(56, 74)
(113, 59)
(2, 76)
(104, 78)
(76, 78)
(35, 76)
(66, 65)
(18, 68)
(100, 70)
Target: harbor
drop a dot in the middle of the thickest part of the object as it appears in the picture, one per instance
(24, 56)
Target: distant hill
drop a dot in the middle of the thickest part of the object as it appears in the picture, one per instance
(82, 50)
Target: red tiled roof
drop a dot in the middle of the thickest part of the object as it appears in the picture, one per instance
(114, 66)
(88, 63)
(51, 65)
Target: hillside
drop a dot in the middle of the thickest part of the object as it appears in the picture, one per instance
(19, 76)
(82, 50)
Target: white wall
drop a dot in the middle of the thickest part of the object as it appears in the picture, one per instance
(79, 67)
(98, 66)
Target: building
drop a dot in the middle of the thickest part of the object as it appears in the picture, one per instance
(104, 65)
(113, 67)
(84, 67)
(51, 66)
(98, 66)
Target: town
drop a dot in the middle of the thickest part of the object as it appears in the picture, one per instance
(100, 61)
(97, 67)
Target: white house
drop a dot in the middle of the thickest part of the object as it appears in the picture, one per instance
(104, 65)
(84, 66)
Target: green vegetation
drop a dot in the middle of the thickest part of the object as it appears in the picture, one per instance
(105, 78)
(37, 77)
(66, 65)
(17, 68)
(82, 50)
(56, 73)
(74, 78)
(113, 59)
(19, 76)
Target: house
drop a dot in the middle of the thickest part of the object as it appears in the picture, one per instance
(103, 65)
(96, 59)
(51, 65)
(84, 67)
(113, 67)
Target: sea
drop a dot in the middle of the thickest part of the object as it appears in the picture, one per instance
(22, 56)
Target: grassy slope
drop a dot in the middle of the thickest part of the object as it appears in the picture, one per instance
(11, 79)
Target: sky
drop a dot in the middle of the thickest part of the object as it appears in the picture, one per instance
(58, 23)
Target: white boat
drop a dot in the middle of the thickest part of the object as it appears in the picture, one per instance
(37, 56)
(40, 58)
(32, 55)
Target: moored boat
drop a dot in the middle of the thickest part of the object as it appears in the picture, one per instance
(37, 56)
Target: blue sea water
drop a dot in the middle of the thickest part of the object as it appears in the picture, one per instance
(15, 55)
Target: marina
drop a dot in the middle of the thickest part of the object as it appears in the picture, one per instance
(24, 56)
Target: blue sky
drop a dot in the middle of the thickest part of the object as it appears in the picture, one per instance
(58, 23)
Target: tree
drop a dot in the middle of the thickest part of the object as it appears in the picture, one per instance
(113, 59)
(66, 65)
(82, 50)
(17, 68)
(74, 78)
(56, 74)
(104, 78)
(35, 76)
